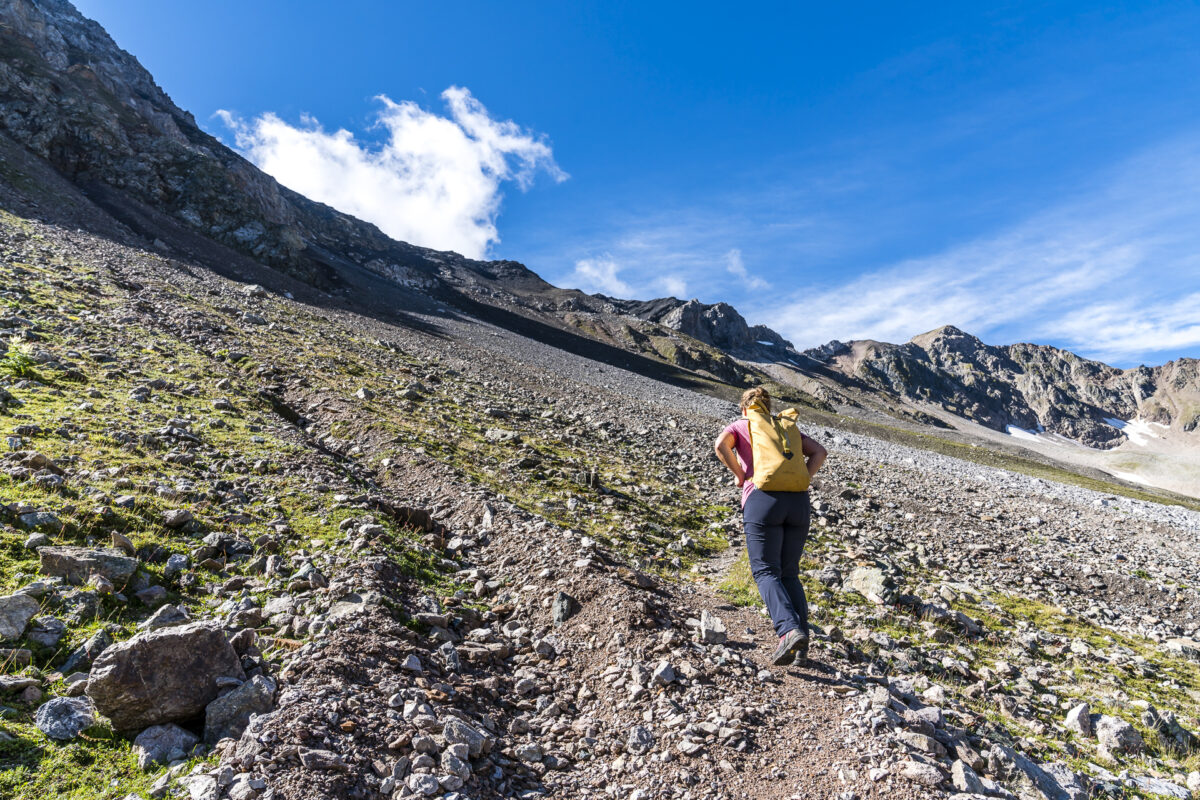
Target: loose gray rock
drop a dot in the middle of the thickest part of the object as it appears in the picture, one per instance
(176, 563)
(450, 656)
(324, 760)
(200, 787)
(530, 752)
(41, 519)
(1158, 787)
(872, 584)
(76, 565)
(456, 766)
(16, 683)
(16, 610)
(36, 540)
(423, 785)
(162, 744)
(564, 608)
(712, 629)
(1117, 737)
(1067, 780)
(65, 717)
(458, 732)
(1015, 769)
(163, 675)
(165, 617)
(227, 716)
(965, 779)
(917, 772)
(1079, 720)
(82, 657)
(640, 740)
(177, 517)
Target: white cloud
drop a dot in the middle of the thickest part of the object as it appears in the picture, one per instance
(602, 275)
(736, 266)
(435, 181)
(599, 275)
(1119, 331)
(673, 285)
(1101, 274)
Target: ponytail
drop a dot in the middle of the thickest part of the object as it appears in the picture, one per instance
(756, 395)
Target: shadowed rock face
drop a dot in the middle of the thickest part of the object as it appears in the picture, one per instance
(1025, 385)
(162, 676)
(70, 95)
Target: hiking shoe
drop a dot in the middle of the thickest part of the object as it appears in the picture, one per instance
(801, 659)
(789, 643)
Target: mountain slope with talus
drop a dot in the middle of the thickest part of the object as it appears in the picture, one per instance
(285, 523)
(71, 96)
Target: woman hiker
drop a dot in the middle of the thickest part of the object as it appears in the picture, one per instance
(776, 525)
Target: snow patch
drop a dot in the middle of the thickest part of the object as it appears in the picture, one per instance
(1039, 435)
(1019, 433)
(1129, 476)
(768, 344)
(1138, 431)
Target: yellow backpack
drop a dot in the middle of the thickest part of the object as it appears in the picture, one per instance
(778, 451)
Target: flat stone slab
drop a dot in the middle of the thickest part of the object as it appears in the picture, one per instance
(76, 565)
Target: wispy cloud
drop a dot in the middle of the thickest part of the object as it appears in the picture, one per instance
(1118, 331)
(436, 180)
(602, 275)
(599, 275)
(1102, 274)
(683, 252)
(737, 267)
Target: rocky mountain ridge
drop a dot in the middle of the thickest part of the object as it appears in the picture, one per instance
(1033, 387)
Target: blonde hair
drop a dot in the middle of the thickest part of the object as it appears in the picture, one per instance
(758, 394)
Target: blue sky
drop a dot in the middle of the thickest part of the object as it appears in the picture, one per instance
(1026, 171)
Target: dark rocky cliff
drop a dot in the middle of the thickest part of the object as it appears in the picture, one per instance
(70, 95)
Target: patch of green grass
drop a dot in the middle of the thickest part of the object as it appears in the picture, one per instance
(99, 765)
(18, 361)
(738, 585)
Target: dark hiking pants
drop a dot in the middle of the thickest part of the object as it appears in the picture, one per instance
(776, 526)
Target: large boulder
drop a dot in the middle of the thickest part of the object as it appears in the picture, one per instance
(76, 565)
(15, 612)
(227, 716)
(162, 676)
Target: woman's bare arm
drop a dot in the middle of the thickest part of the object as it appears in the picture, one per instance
(815, 454)
(723, 447)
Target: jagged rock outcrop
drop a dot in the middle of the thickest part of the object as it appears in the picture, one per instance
(717, 324)
(1029, 386)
